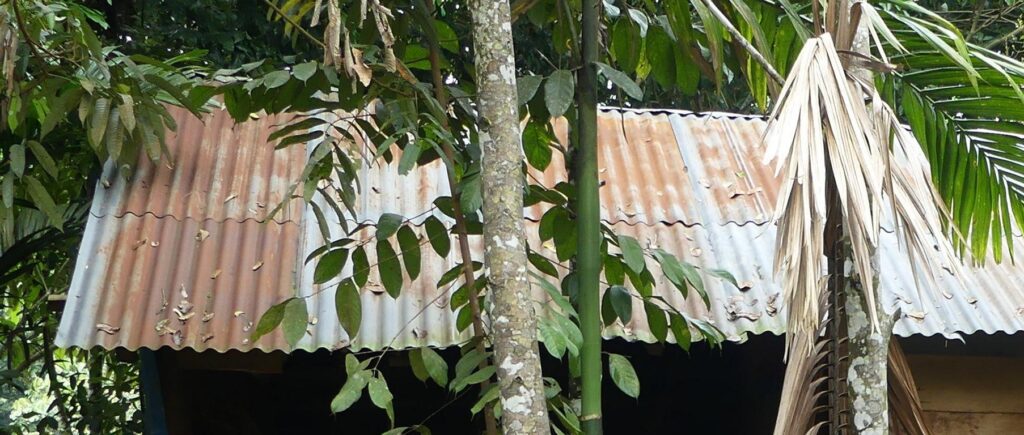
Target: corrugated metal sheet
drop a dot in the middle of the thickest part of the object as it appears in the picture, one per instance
(691, 184)
(221, 170)
(134, 272)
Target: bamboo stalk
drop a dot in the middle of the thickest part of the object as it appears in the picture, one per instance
(588, 220)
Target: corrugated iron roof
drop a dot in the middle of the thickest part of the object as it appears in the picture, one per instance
(219, 171)
(691, 184)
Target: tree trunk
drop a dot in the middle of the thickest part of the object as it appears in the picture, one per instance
(867, 375)
(514, 327)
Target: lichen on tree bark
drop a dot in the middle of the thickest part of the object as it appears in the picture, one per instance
(513, 325)
(867, 375)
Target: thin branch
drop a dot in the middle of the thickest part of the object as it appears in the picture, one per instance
(297, 26)
(739, 38)
(995, 42)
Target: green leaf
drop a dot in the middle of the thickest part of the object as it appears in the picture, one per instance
(542, 264)
(416, 363)
(173, 91)
(294, 322)
(613, 271)
(621, 80)
(98, 122)
(656, 320)
(388, 268)
(472, 197)
(555, 294)
(43, 201)
(623, 375)
(275, 79)
(351, 391)
(380, 394)
(632, 253)
(388, 224)
(330, 265)
(554, 341)
(435, 365)
(43, 157)
(608, 314)
(559, 89)
(349, 307)
(410, 154)
(673, 270)
(526, 88)
(304, 71)
(724, 274)
(473, 379)
(269, 320)
(438, 235)
(360, 266)
(537, 145)
(680, 331)
(487, 396)
(410, 246)
(622, 302)
(17, 156)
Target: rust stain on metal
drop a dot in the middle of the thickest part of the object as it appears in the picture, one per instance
(221, 171)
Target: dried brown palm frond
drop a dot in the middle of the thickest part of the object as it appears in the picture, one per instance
(822, 119)
(907, 417)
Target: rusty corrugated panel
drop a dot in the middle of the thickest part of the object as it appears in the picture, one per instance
(704, 172)
(221, 170)
(165, 282)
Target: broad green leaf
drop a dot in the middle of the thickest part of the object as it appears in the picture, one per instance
(656, 320)
(622, 302)
(410, 154)
(275, 79)
(304, 71)
(672, 269)
(469, 362)
(360, 266)
(542, 264)
(435, 365)
(388, 268)
(127, 112)
(43, 201)
(330, 265)
(537, 145)
(410, 246)
(416, 363)
(613, 270)
(554, 341)
(7, 189)
(294, 322)
(623, 375)
(438, 235)
(269, 320)
(559, 89)
(43, 157)
(388, 224)
(695, 280)
(17, 157)
(472, 197)
(632, 253)
(98, 122)
(380, 394)
(608, 314)
(680, 331)
(621, 80)
(555, 295)
(349, 307)
(487, 396)
(724, 274)
(473, 378)
(351, 391)
(114, 136)
(526, 87)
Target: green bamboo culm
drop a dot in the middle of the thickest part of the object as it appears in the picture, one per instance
(588, 222)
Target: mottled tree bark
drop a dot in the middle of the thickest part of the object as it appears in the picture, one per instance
(513, 325)
(869, 356)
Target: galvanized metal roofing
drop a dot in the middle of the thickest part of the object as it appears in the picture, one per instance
(691, 184)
